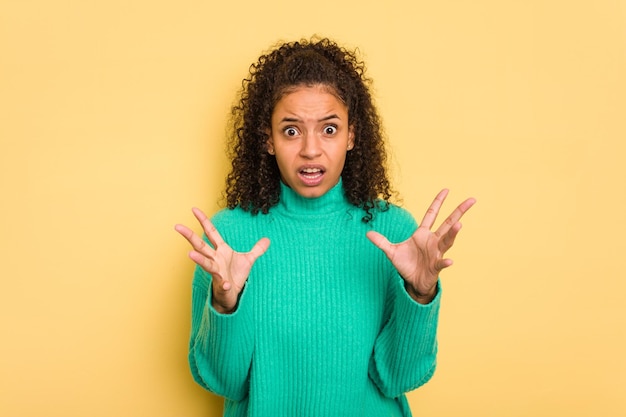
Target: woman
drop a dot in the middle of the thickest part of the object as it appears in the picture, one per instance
(302, 306)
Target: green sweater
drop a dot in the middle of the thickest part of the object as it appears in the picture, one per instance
(324, 326)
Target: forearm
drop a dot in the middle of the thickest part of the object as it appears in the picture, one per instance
(220, 349)
(405, 351)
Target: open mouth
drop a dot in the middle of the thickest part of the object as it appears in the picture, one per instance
(311, 176)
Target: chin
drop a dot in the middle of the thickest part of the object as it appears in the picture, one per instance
(312, 192)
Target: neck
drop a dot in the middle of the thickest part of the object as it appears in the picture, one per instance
(332, 200)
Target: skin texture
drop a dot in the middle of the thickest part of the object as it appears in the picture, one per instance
(253, 183)
(310, 137)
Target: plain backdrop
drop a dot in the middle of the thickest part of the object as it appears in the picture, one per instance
(112, 121)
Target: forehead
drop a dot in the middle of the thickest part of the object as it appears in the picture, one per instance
(315, 98)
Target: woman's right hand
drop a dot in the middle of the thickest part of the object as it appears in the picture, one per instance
(229, 269)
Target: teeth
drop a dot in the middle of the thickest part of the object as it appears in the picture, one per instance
(311, 170)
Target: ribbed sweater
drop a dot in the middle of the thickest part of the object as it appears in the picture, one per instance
(324, 325)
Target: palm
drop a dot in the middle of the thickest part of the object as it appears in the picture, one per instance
(416, 259)
(229, 269)
(420, 259)
(228, 266)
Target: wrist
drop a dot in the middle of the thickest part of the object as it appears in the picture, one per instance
(221, 309)
(222, 306)
(421, 297)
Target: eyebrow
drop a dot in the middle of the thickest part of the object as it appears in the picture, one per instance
(323, 119)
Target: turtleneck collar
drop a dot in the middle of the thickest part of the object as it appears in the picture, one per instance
(292, 202)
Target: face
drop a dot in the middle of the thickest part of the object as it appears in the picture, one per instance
(310, 137)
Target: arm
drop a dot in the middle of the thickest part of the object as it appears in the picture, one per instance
(404, 356)
(221, 345)
(405, 351)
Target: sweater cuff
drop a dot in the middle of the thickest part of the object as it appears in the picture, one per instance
(435, 300)
(235, 316)
(425, 314)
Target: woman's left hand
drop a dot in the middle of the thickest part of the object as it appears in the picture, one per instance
(420, 258)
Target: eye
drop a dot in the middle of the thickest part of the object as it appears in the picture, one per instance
(290, 131)
(330, 130)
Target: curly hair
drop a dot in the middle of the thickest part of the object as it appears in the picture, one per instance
(254, 181)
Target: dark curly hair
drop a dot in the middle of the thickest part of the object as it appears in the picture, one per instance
(254, 181)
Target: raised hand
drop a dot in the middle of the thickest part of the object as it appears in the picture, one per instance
(420, 258)
(228, 268)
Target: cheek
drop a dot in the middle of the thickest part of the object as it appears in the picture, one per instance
(284, 162)
(341, 153)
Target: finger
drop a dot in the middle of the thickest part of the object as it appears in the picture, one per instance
(205, 263)
(455, 216)
(211, 267)
(209, 229)
(447, 240)
(259, 248)
(433, 210)
(443, 264)
(381, 242)
(196, 241)
(183, 230)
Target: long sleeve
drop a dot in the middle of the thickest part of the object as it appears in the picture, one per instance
(220, 346)
(405, 351)
(324, 325)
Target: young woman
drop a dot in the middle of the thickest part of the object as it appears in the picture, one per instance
(302, 305)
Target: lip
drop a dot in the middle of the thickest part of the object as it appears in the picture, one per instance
(311, 175)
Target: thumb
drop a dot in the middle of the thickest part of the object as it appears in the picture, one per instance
(380, 241)
(259, 248)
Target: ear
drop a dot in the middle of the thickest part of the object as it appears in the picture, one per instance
(351, 137)
(270, 142)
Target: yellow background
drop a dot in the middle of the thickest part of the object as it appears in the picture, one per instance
(112, 118)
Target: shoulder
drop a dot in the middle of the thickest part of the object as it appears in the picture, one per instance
(395, 222)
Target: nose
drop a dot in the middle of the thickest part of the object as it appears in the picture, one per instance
(311, 146)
